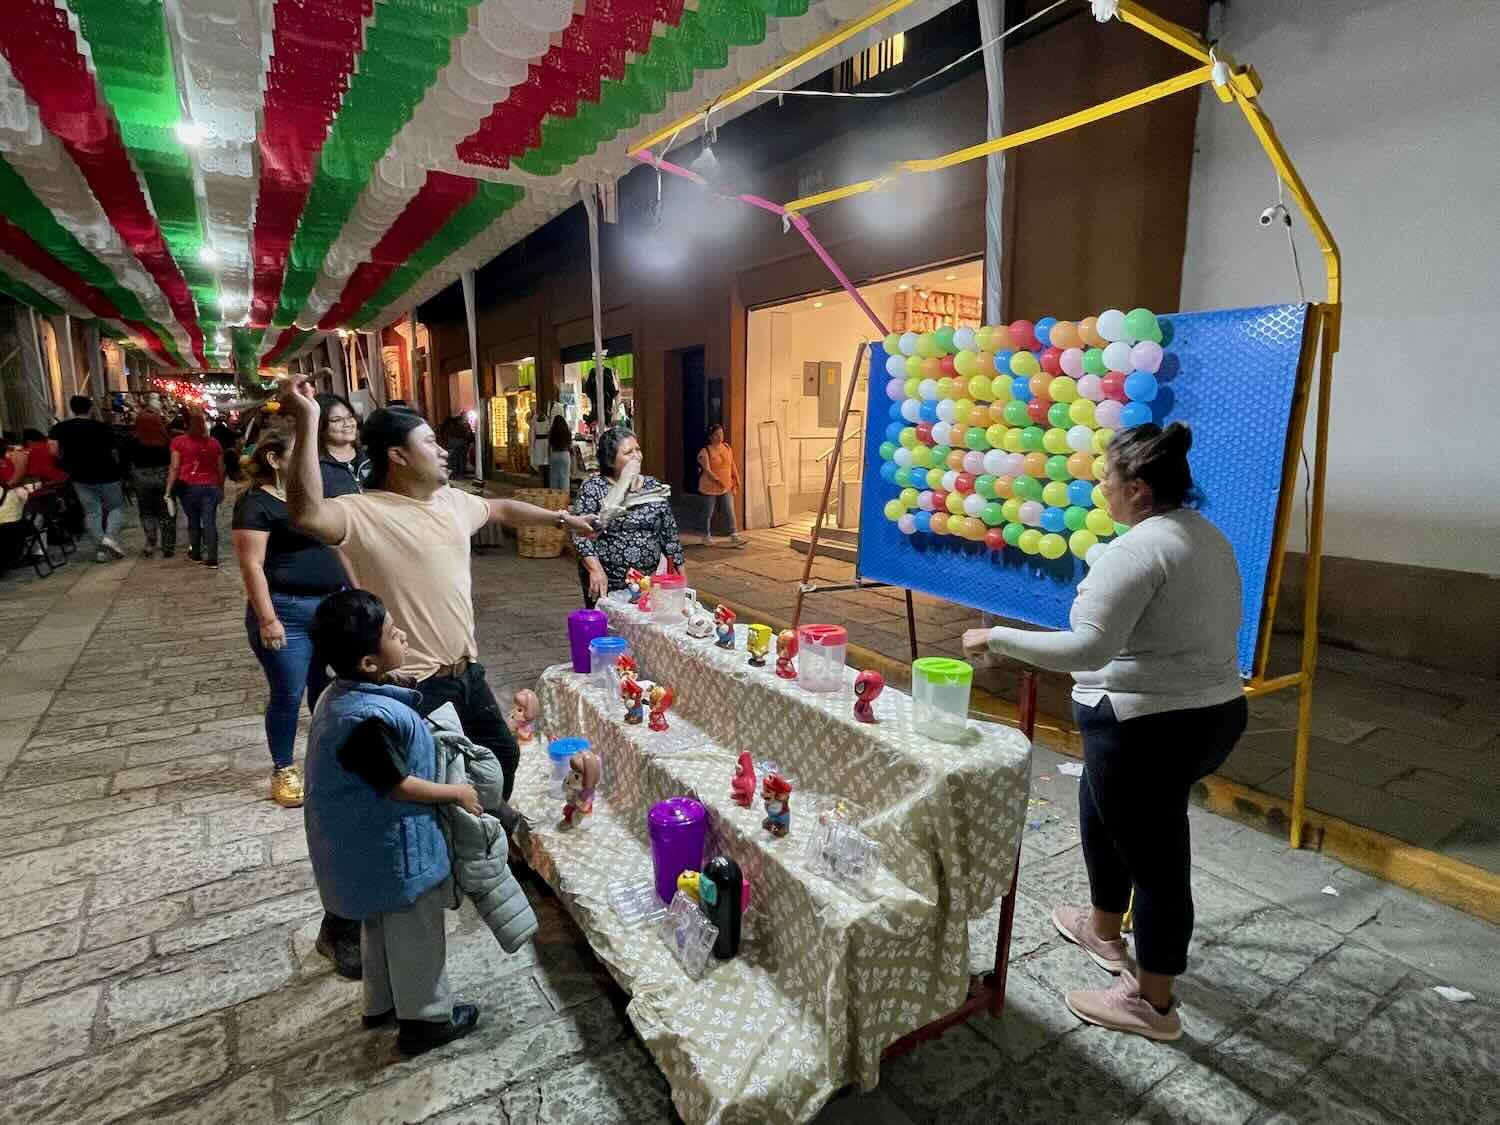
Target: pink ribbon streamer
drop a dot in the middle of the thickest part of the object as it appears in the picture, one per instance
(796, 220)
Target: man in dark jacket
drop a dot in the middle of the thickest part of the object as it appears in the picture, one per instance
(89, 450)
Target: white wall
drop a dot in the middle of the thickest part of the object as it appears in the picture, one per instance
(1391, 111)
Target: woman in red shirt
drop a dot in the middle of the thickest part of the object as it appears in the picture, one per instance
(198, 465)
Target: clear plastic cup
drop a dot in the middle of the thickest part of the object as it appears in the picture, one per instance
(940, 689)
(820, 656)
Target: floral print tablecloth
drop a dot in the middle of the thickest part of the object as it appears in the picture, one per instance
(826, 978)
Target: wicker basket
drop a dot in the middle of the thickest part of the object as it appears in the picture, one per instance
(541, 542)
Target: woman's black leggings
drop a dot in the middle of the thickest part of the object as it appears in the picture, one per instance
(1132, 807)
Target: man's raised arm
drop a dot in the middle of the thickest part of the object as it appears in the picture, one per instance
(312, 514)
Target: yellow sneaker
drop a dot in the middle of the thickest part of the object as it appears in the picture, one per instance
(286, 787)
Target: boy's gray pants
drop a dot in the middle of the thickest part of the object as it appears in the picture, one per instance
(405, 959)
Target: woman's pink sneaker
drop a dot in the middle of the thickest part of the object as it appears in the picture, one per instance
(1123, 1008)
(1073, 923)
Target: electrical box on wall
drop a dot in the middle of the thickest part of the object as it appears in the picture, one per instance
(810, 379)
(828, 394)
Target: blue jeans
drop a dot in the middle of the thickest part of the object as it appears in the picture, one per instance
(723, 502)
(201, 502)
(289, 670)
(103, 509)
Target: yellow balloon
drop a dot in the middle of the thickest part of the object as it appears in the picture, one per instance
(961, 411)
(1054, 494)
(1053, 546)
(1024, 363)
(1081, 412)
(965, 363)
(954, 502)
(1101, 468)
(945, 387)
(1098, 522)
(995, 435)
(894, 510)
(1011, 510)
(921, 456)
(1064, 389)
(979, 388)
(1081, 542)
(984, 339)
(1102, 438)
(1030, 541)
(1055, 441)
(913, 382)
(1013, 442)
(909, 436)
(908, 498)
(1099, 502)
(1000, 389)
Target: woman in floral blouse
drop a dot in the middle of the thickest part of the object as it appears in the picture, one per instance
(638, 537)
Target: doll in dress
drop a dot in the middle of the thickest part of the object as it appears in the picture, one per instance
(786, 652)
(525, 710)
(584, 771)
(659, 699)
(777, 794)
(643, 603)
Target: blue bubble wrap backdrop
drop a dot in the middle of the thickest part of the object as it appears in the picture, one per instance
(1229, 374)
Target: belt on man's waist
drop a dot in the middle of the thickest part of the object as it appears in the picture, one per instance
(455, 669)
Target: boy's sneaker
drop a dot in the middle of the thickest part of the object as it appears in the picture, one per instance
(343, 951)
(417, 1036)
(212, 564)
(113, 548)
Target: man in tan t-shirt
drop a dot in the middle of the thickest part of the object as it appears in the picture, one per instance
(406, 540)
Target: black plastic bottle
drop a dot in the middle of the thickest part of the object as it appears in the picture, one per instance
(721, 888)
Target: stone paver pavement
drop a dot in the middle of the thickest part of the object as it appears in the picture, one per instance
(157, 917)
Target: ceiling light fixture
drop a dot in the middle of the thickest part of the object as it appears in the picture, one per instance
(951, 277)
(903, 287)
(817, 304)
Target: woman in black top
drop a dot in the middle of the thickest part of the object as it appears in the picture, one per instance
(638, 537)
(342, 463)
(286, 575)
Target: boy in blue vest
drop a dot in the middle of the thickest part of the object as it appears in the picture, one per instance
(377, 848)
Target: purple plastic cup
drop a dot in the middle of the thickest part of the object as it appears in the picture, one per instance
(678, 828)
(583, 626)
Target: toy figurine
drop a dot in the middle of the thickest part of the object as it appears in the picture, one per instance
(724, 626)
(721, 891)
(742, 784)
(757, 644)
(632, 692)
(660, 698)
(687, 884)
(643, 603)
(584, 771)
(786, 652)
(525, 710)
(633, 584)
(867, 685)
(777, 794)
(700, 623)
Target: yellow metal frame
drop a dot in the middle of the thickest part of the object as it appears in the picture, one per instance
(1240, 86)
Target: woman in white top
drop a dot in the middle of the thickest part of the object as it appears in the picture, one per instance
(1160, 704)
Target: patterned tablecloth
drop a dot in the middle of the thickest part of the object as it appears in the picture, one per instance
(826, 978)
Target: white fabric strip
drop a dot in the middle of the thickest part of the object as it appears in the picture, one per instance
(54, 293)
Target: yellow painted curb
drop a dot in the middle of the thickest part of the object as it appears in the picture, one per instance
(1431, 874)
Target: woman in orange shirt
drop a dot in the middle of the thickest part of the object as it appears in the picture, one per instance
(717, 481)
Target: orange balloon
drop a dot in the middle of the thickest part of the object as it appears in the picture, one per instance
(1035, 465)
(1003, 487)
(1081, 465)
(997, 414)
(1088, 328)
(956, 460)
(973, 528)
(1039, 384)
(1065, 335)
(931, 369)
(939, 523)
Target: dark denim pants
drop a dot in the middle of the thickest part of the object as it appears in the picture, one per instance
(290, 671)
(484, 722)
(201, 503)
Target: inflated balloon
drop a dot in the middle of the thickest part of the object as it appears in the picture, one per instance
(892, 344)
(973, 504)
(1036, 410)
(927, 411)
(928, 346)
(903, 458)
(913, 373)
(908, 343)
(1015, 463)
(963, 339)
(927, 389)
(1091, 387)
(1146, 356)
(944, 408)
(1099, 501)
(933, 369)
(1081, 494)
(924, 500)
(1024, 363)
(887, 451)
(994, 435)
(921, 457)
(967, 365)
(1058, 416)
(893, 510)
(963, 482)
(1099, 522)
(1031, 513)
(903, 477)
(1053, 546)
(1100, 467)
(955, 461)
(1002, 361)
(979, 388)
(1081, 542)
(1042, 330)
(1023, 334)
(935, 478)
(923, 520)
(984, 484)
(1141, 324)
(1034, 465)
(1057, 467)
(908, 436)
(1111, 325)
(1012, 533)
(911, 410)
(950, 479)
(1081, 467)
(893, 432)
(924, 433)
(1015, 438)
(1016, 413)
(973, 463)
(1107, 413)
(895, 366)
(1040, 384)
(908, 524)
(1031, 439)
(1030, 541)
(937, 523)
(984, 338)
(994, 459)
(1117, 357)
(1052, 520)
(963, 409)
(908, 497)
(1081, 413)
(1065, 335)
(1114, 386)
(1071, 362)
(945, 364)
(994, 539)
(1000, 389)
(1029, 489)
(1020, 388)
(1140, 386)
(895, 390)
(1080, 438)
(1135, 414)
(974, 438)
(1051, 361)
(944, 336)
(1102, 438)
(1002, 487)
(1012, 509)
(1063, 389)
(1055, 441)
(1088, 330)
(954, 502)
(1075, 517)
(1093, 362)
(1054, 494)
(940, 432)
(888, 471)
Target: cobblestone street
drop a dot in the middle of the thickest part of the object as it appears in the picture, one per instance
(157, 918)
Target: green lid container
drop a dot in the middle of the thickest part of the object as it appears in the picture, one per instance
(942, 671)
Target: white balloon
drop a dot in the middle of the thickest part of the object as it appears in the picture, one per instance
(973, 462)
(1080, 439)
(544, 15)
(907, 524)
(928, 389)
(963, 339)
(948, 478)
(941, 431)
(994, 462)
(973, 504)
(895, 367)
(1117, 357)
(1014, 464)
(945, 408)
(908, 343)
(902, 457)
(911, 410)
(1111, 324)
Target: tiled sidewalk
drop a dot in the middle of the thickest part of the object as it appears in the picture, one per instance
(157, 916)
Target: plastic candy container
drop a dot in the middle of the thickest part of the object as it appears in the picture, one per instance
(940, 697)
(558, 753)
(677, 827)
(689, 934)
(839, 851)
(820, 664)
(635, 901)
(668, 599)
(603, 652)
(583, 626)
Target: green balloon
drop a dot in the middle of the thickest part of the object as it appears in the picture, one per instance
(1027, 488)
(1012, 533)
(887, 451)
(1141, 325)
(1076, 518)
(1031, 438)
(985, 486)
(940, 455)
(992, 515)
(893, 344)
(1057, 467)
(1058, 415)
(1015, 413)
(1093, 362)
(944, 334)
(975, 439)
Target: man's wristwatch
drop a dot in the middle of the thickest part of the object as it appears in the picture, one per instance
(559, 519)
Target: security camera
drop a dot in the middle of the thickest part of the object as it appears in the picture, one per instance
(1274, 212)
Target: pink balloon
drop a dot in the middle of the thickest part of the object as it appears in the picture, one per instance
(895, 390)
(1107, 414)
(973, 462)
(1072, 362)
(908, 524)
(1015, 464)
(1146, 356)
(924, 500)
(1091, 387)
(1031, 513)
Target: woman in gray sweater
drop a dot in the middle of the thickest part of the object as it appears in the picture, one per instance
(1158, 698)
